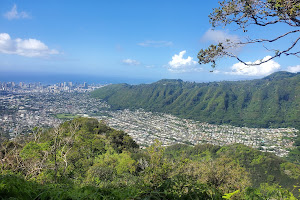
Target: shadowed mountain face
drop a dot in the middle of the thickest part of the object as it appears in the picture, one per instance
(273, 101)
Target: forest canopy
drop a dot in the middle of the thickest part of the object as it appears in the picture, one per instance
(86, 159)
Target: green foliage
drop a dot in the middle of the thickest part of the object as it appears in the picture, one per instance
(110, 166)
(210, 54)
(262, 167)
(180, 187)
(158, 167)
(31, 150)
(15, 187)
(229, 195)
(120, 141)
(267, 191)
(291, 169)
(85, 159)
(294, 155)
(66, 116)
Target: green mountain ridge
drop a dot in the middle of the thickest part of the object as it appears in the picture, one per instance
(273, 101)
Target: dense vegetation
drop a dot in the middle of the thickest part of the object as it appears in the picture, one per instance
(85, 159)
(273, 101)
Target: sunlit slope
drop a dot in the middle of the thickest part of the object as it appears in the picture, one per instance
(85, 159)
(273, 101)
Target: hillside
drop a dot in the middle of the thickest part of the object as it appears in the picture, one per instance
(86, 159)
(273, 101)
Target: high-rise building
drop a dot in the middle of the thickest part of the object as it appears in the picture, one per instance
(85, 85)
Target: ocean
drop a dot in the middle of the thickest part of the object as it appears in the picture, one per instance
(47, 78)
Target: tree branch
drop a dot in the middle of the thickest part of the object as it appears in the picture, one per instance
(244, 13)
(266, 40)
(278, 54)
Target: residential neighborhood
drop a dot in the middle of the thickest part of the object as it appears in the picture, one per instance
(22, 108)
(146, 127)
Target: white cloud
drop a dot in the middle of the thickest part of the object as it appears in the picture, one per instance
(179, 64)
(255, 70)
(130, 62)
(228, 40)
(217, 36)
(294, 69)
(151, 43)
(14, 14)
(24, 47)
(216, 71)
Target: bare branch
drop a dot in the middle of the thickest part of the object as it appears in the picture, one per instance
(278, 54)
(267, 40)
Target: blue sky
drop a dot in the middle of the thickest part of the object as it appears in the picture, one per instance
(135, 39)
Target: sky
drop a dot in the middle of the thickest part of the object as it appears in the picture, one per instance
(132, 39)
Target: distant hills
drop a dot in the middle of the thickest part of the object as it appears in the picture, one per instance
(273, 101)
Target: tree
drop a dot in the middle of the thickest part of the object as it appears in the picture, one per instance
(245, 13)
(158, 167)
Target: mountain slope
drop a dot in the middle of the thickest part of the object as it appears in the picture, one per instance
(269, 102)
(85, 159)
